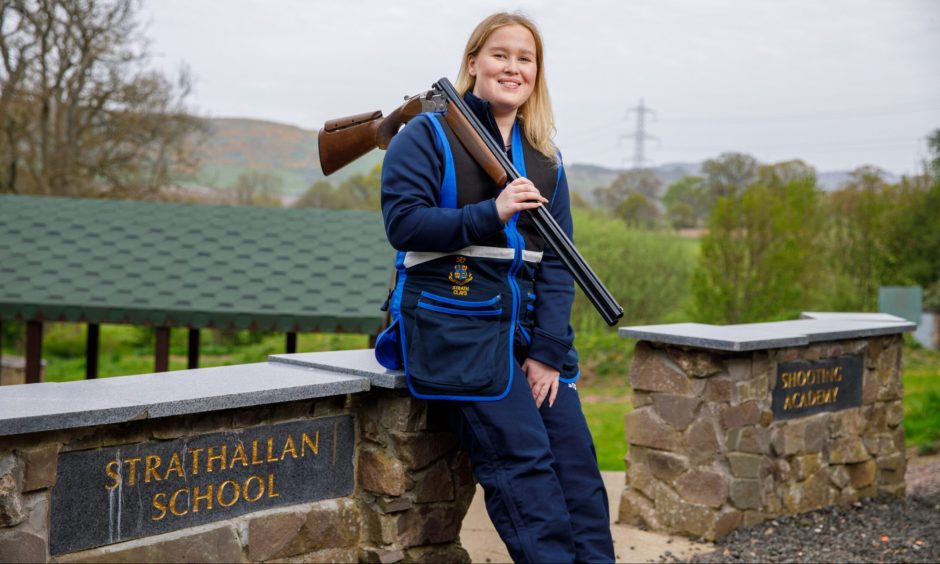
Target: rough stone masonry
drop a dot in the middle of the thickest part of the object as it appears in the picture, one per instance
(708, 451)
(231, 476)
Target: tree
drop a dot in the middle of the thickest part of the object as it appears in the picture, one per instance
(915, 223)
(933, 145)
(729, 174)
(357, 192)
(782, 173)
(859, 239)
(758, 260)
(638, 211)
(79, 112)
(686, 202)
(261, 189)
(365, 190)
(647, 271)
(642, 181)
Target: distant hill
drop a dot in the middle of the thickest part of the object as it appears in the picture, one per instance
(238, 145)
(584, 179)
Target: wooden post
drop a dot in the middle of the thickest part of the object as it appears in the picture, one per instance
(193, 350)
(91, 351)
(291, 343)
(33, 351)
(162, 350)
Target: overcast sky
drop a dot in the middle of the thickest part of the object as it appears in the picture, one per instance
(838, 83)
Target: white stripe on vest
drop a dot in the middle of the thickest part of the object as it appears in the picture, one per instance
(413, 258)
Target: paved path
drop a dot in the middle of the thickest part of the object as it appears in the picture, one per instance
(631, 545)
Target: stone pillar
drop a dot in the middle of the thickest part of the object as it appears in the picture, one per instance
(706, 454)
(414, 484)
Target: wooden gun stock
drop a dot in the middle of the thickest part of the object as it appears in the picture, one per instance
(476, 147)
(343, 140)
(346, 139)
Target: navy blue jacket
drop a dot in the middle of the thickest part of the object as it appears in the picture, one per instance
(412, 175)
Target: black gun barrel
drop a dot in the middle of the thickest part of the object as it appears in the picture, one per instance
(545, 224)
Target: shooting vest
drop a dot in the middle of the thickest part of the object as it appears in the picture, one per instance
(460, 320)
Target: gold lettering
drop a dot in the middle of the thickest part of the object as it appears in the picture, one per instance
(210, 458)
(271, 492)
(109, 469)
(238, 492)
(249, 498)
(787, 402)
(313, 444)
(835, 391)
(153, 463)
(195, 452)
(161, 505)
(174, 466)
(271, 457)
(289, 447)
(239, 455)
(132, 470)
(838, 373)
(197, 498)
(173, 497)
(254, 453)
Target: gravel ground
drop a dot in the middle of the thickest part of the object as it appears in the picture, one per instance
(872, 530)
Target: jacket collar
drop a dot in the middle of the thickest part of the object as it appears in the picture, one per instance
(484, 113)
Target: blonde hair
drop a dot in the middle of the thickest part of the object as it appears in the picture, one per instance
(538, 122)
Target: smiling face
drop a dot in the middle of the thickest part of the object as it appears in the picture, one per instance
(505, 69)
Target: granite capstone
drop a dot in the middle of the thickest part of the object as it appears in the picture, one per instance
(359, 362)
(761, 336)
(65, 405)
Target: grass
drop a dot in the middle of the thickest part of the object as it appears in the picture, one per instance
(126, 350)
(604, 408)
(921, 376)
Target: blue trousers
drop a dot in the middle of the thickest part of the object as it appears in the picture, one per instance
(538, 469)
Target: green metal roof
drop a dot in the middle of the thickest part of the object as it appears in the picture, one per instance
(193, 265)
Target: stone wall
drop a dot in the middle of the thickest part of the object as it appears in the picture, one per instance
(706, 454)
(413, 487)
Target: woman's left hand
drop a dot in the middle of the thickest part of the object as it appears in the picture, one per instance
(543, 381)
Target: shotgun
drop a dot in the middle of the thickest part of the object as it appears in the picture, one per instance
(344, 140)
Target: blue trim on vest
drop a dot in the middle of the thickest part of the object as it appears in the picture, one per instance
(463, 303)
(518, 159)
(564, 380)
(448, 197)
(557, 181)
(394, 309)
(516, 242)
(466, 312)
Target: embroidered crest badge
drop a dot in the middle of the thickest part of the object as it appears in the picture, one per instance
(460, 276)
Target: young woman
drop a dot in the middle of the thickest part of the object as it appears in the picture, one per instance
(481, 306)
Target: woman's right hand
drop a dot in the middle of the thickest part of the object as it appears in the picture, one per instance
(519, 195)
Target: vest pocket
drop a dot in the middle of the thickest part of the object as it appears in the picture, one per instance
(455, 350)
